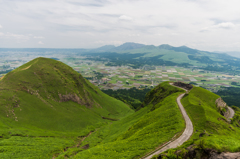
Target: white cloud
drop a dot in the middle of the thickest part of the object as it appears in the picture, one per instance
(38, 37)
(225, 25)
(109, 42)
(124, 17)
(0, 27)
(174, 34)
(92, 23)
(16, 36)
(132, 35)
(13, 39)
(40, 43)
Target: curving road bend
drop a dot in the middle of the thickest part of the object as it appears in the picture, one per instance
(185, 135)
(231, 114)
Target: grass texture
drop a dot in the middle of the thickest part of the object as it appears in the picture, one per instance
(46, 106)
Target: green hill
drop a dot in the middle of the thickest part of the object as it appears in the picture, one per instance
(223, 136)
(157, 122)
(48, 110)
(211, 130)
(46, 100)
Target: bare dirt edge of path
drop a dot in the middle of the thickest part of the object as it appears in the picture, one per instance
(163, 145)
(184, 136)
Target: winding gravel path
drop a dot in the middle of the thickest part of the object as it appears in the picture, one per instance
(231, 114)
(185, 135)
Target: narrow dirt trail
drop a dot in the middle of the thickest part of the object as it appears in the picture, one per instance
(77, 145)
(84, 139)
(185, 135)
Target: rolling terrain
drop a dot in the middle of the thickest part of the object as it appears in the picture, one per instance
(157, 122)
(48, 110)
(160, 121)
(101, 67)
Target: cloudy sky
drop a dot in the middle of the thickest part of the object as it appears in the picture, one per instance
(212, 25)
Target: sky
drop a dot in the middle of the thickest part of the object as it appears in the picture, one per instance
(211, 25)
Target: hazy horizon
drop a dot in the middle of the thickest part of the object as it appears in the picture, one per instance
(232, 53)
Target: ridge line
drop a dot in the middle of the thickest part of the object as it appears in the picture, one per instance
(185, 135)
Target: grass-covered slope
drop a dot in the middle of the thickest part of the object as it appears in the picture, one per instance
(139, 133)
(46, 98)
(218, 133)
(211, 129)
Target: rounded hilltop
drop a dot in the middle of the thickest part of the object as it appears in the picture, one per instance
(48, 94)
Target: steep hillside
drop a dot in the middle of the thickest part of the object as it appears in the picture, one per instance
(212, 131)
(137, 134)
(219, 134)
(48, 98)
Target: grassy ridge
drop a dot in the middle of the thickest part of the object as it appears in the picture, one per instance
(217, 132)
(139, 133)
(45, 101)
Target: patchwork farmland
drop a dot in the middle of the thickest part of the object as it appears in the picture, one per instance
(125, 77)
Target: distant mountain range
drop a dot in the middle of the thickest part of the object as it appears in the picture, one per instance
(124, 47)
(131, 46)
(231, 53)
(137, 55)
